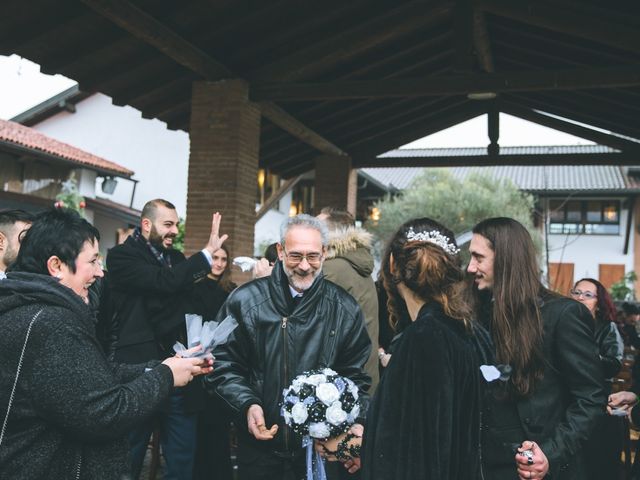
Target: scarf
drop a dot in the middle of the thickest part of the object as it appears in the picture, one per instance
(161, 257)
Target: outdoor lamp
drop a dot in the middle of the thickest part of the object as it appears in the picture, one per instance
(109, 185)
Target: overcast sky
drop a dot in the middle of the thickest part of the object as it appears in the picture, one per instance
(22, 86)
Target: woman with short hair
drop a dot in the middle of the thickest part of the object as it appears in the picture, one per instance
(66, 410)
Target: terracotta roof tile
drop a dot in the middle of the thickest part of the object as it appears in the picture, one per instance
(26, 137)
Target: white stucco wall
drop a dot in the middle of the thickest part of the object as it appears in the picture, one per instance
(587, 252)
(158, 156)
(108, 232)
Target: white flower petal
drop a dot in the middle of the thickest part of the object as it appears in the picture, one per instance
(327, 393)
(335, 414)
(299, 413)
(319, 430)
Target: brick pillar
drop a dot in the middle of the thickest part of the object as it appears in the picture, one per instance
(223, 166)
(336, 183)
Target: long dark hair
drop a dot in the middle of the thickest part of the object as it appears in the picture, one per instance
(426, 269)
(225, 279)
(516, 324)
(605, 308)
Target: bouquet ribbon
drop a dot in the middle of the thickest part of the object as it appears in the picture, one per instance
(315, 463)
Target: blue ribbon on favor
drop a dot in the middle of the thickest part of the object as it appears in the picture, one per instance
(315, 463)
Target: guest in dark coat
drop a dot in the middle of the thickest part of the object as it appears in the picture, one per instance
(424, 421)
(554, 396)
(603, 449)
(213, 455)
(150, 283)
(69, 409)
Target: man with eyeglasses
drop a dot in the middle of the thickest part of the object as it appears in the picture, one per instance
(13, 225)
(289, 322)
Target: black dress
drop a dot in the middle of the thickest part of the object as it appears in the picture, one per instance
(424, 421)
(213, 456)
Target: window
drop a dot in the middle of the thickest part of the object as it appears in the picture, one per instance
(590, 217)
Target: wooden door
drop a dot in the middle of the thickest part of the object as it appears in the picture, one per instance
(561, 277)
(610, 274)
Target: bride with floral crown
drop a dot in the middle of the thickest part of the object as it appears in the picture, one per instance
(424, 421)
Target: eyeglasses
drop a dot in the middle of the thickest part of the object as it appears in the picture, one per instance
(580, 293)
(295, 257)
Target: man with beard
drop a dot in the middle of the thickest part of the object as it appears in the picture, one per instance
(13, 224)
(289, 322)
(535, 423)
(148, 283)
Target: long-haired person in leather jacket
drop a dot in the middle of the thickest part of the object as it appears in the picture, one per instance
(289, 322)
(603, 449)
(554, 396)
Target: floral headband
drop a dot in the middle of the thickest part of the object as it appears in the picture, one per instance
(435, 237)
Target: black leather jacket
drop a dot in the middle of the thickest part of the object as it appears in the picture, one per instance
(271, 346)
(610, 347)
(565, 405)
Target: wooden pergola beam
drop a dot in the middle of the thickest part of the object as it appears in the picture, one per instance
(445, 118)
(143, 26)
(296, 128)
(151, 31)
(576, 111)
(504, 160)
(343, 46)
(463, 36)
(525, 81)
(543, 119)
(482, 42)
(604, 28)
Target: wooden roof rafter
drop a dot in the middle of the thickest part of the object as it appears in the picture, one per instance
(573, 110)
(444, 118)
(607, 27)
(151, 31)
(540, 118)
(342, 46)
(461, 84)
(336, 43)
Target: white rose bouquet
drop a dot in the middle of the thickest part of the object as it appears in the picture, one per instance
(319, 404)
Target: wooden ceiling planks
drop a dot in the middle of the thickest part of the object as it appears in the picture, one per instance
(377, 41)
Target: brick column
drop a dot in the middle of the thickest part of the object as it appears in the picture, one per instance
(336, 183)
(223, 166)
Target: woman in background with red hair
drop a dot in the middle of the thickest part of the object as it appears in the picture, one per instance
(604, 447)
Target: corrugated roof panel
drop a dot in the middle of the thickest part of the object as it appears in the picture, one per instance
(529, 178)
(479, 151)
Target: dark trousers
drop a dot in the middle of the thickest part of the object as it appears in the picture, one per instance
(603, 449)
(261, 464)
(177, 439)
(213, 453)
